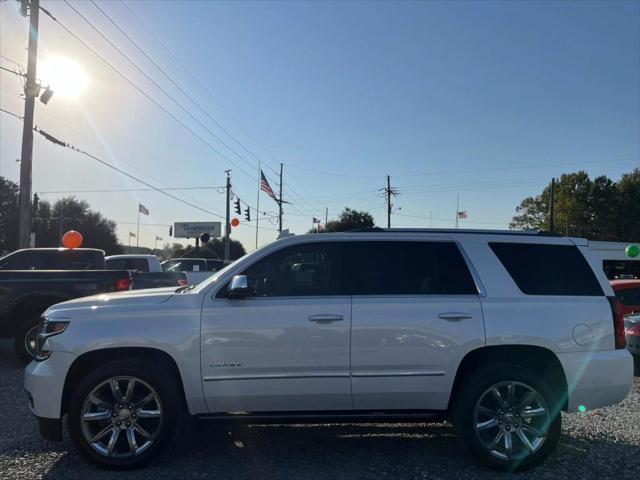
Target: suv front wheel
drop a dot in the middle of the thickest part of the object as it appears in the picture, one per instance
(123, 414)
(507, 417)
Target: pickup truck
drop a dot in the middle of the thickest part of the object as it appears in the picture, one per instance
(25, 294)
(196, 269)
(146, 271)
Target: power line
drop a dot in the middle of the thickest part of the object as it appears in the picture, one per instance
(141, 91)
(114, 190)
(204, 87)
(119, 170)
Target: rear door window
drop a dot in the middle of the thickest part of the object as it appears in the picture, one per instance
(409, 268)
(548, 269)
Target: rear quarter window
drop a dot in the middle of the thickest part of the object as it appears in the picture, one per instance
(548, 269)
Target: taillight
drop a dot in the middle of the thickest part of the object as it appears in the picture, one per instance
(123, 284)
(618, 323)
(634, 330)
(183, 282)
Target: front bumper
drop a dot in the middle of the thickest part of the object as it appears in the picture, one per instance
(44, 384)
(597, 379)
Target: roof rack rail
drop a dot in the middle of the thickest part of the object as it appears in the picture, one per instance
(540, 233)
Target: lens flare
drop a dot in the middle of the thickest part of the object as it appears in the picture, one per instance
(65, 76)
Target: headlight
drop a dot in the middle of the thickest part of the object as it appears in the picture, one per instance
(49, 327)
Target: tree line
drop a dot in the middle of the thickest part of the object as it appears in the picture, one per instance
(597, 209)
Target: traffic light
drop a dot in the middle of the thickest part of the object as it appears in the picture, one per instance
(237, 204)
(247, 215)
(171, 231)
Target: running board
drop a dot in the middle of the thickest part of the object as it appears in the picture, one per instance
(392, 416)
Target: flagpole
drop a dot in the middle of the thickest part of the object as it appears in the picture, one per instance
(457, 210)
(138, 232)
(258, 202)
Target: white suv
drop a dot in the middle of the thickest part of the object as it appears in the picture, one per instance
(497, 331)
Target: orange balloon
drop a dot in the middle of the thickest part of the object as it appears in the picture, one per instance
(72, 239)
(235, 222)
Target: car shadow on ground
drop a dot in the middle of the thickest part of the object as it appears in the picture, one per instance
(351, 451)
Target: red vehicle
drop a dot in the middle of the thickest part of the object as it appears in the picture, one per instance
(628, 293)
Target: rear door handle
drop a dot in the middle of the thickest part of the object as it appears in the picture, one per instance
(325, 318)
(455, 316)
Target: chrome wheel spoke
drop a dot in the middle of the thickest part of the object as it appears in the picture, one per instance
(145, 400)
(99, 402)
(148, 413)
(115, 433)
(101, 433)
(487, 411)
(523, 438)
(498, 397)
(488, 424)
(533, 412)
(511, 394)
(131, 438)
(143, 432)
(530, 428)
(494, 443)
(115, 390)
(508, 444)
(96, 416)
(130, 387)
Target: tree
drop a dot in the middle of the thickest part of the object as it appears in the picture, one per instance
(598, 209)
(8, 215)
(98, 231)
(349, 219)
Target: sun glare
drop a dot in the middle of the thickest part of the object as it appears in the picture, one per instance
(65, 76)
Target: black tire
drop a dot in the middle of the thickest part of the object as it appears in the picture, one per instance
(472, 391)
(23, 341)
(148, 374)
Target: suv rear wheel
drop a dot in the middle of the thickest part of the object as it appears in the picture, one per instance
(508, 417)
(123, 414)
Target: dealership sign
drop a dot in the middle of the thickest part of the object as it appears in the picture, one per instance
(195, 229)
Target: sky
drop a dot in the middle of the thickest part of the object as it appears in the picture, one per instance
(481, 100)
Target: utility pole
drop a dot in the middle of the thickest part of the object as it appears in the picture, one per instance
(31, 92)
(61, 225)
(280, 203)
(389, 192)
(551, 205)
(457, 210)
(227, 243)
(326, 216)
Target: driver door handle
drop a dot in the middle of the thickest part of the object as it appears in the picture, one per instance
(455, 316)
(325, 318)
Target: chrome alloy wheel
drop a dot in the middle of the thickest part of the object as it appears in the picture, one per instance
(121, 417)
(512, 420)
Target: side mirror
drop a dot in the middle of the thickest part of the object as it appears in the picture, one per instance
(239, 287)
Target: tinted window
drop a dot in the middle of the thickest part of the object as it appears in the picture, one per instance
(629, 296)
(138, 264)
(548, 269)
(409, 268)
(300, 270)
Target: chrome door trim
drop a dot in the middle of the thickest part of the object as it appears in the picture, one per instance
(275, 376)
(397, 374)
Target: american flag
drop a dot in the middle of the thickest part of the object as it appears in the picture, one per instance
(265, 187)
(463, 215)
(142, 209)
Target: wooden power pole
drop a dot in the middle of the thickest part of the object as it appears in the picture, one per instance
(31, 92)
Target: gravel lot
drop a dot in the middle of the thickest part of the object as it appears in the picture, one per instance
(595, 445)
